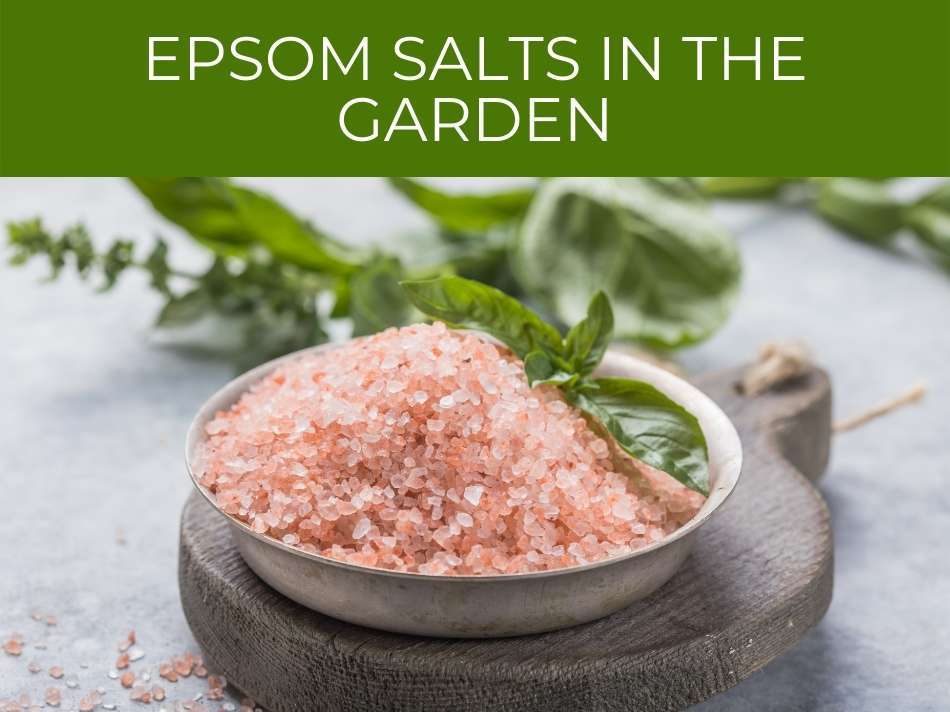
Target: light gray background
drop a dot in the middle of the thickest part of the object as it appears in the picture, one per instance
(93, 415)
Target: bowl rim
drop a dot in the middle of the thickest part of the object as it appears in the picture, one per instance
(720, 432)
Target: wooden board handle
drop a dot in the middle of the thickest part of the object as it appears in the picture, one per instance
(794, 416)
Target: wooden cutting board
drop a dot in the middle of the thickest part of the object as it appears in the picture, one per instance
(759, 578)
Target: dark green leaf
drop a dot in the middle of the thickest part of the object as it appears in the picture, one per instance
(376, 300)
(649, 426)
(465, 212)
(186, 309)
(119, 257)
(862, 207)
(156, 264)
(542, 368)
(30, 239)
(78, 242)
(465, 303)
(231, 220)
(288, 238)
(587, 341)
(670, 271)
(341, 300)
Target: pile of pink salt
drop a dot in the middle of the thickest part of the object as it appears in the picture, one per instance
(424, 449)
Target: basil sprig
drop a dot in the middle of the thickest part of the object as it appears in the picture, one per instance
(641, 420)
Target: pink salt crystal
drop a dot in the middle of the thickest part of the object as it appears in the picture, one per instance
(435, 425)
(127, 679)
(52, 697)
(622, 510)
(372, 453)
(56, 672)
(362, 528)
(184, 664)
(166, 671)
(13, 647)
(34, 666)
(158, 693)
(122, 661)
(473, 494)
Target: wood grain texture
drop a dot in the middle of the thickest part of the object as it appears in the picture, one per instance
(759, 578)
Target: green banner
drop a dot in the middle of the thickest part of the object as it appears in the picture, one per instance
(107, 87)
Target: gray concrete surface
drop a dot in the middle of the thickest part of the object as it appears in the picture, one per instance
(92, 417)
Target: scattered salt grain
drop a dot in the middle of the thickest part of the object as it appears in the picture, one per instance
(410, 433)
(184, 664)
(167, 671)
(89, 702)
(140, 694)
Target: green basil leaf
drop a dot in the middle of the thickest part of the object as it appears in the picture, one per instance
(670, 271)
(862, 207)
(649, 426)
(468, 212)
(231, 220)
(341, 300)
(205, 207)
(541, 369)
(468, 304)
(729, 187)
(587, 341)
(376, 299)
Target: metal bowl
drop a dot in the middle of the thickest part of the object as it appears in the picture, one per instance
(483, 606)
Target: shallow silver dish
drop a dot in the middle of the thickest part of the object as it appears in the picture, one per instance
(483, 606)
